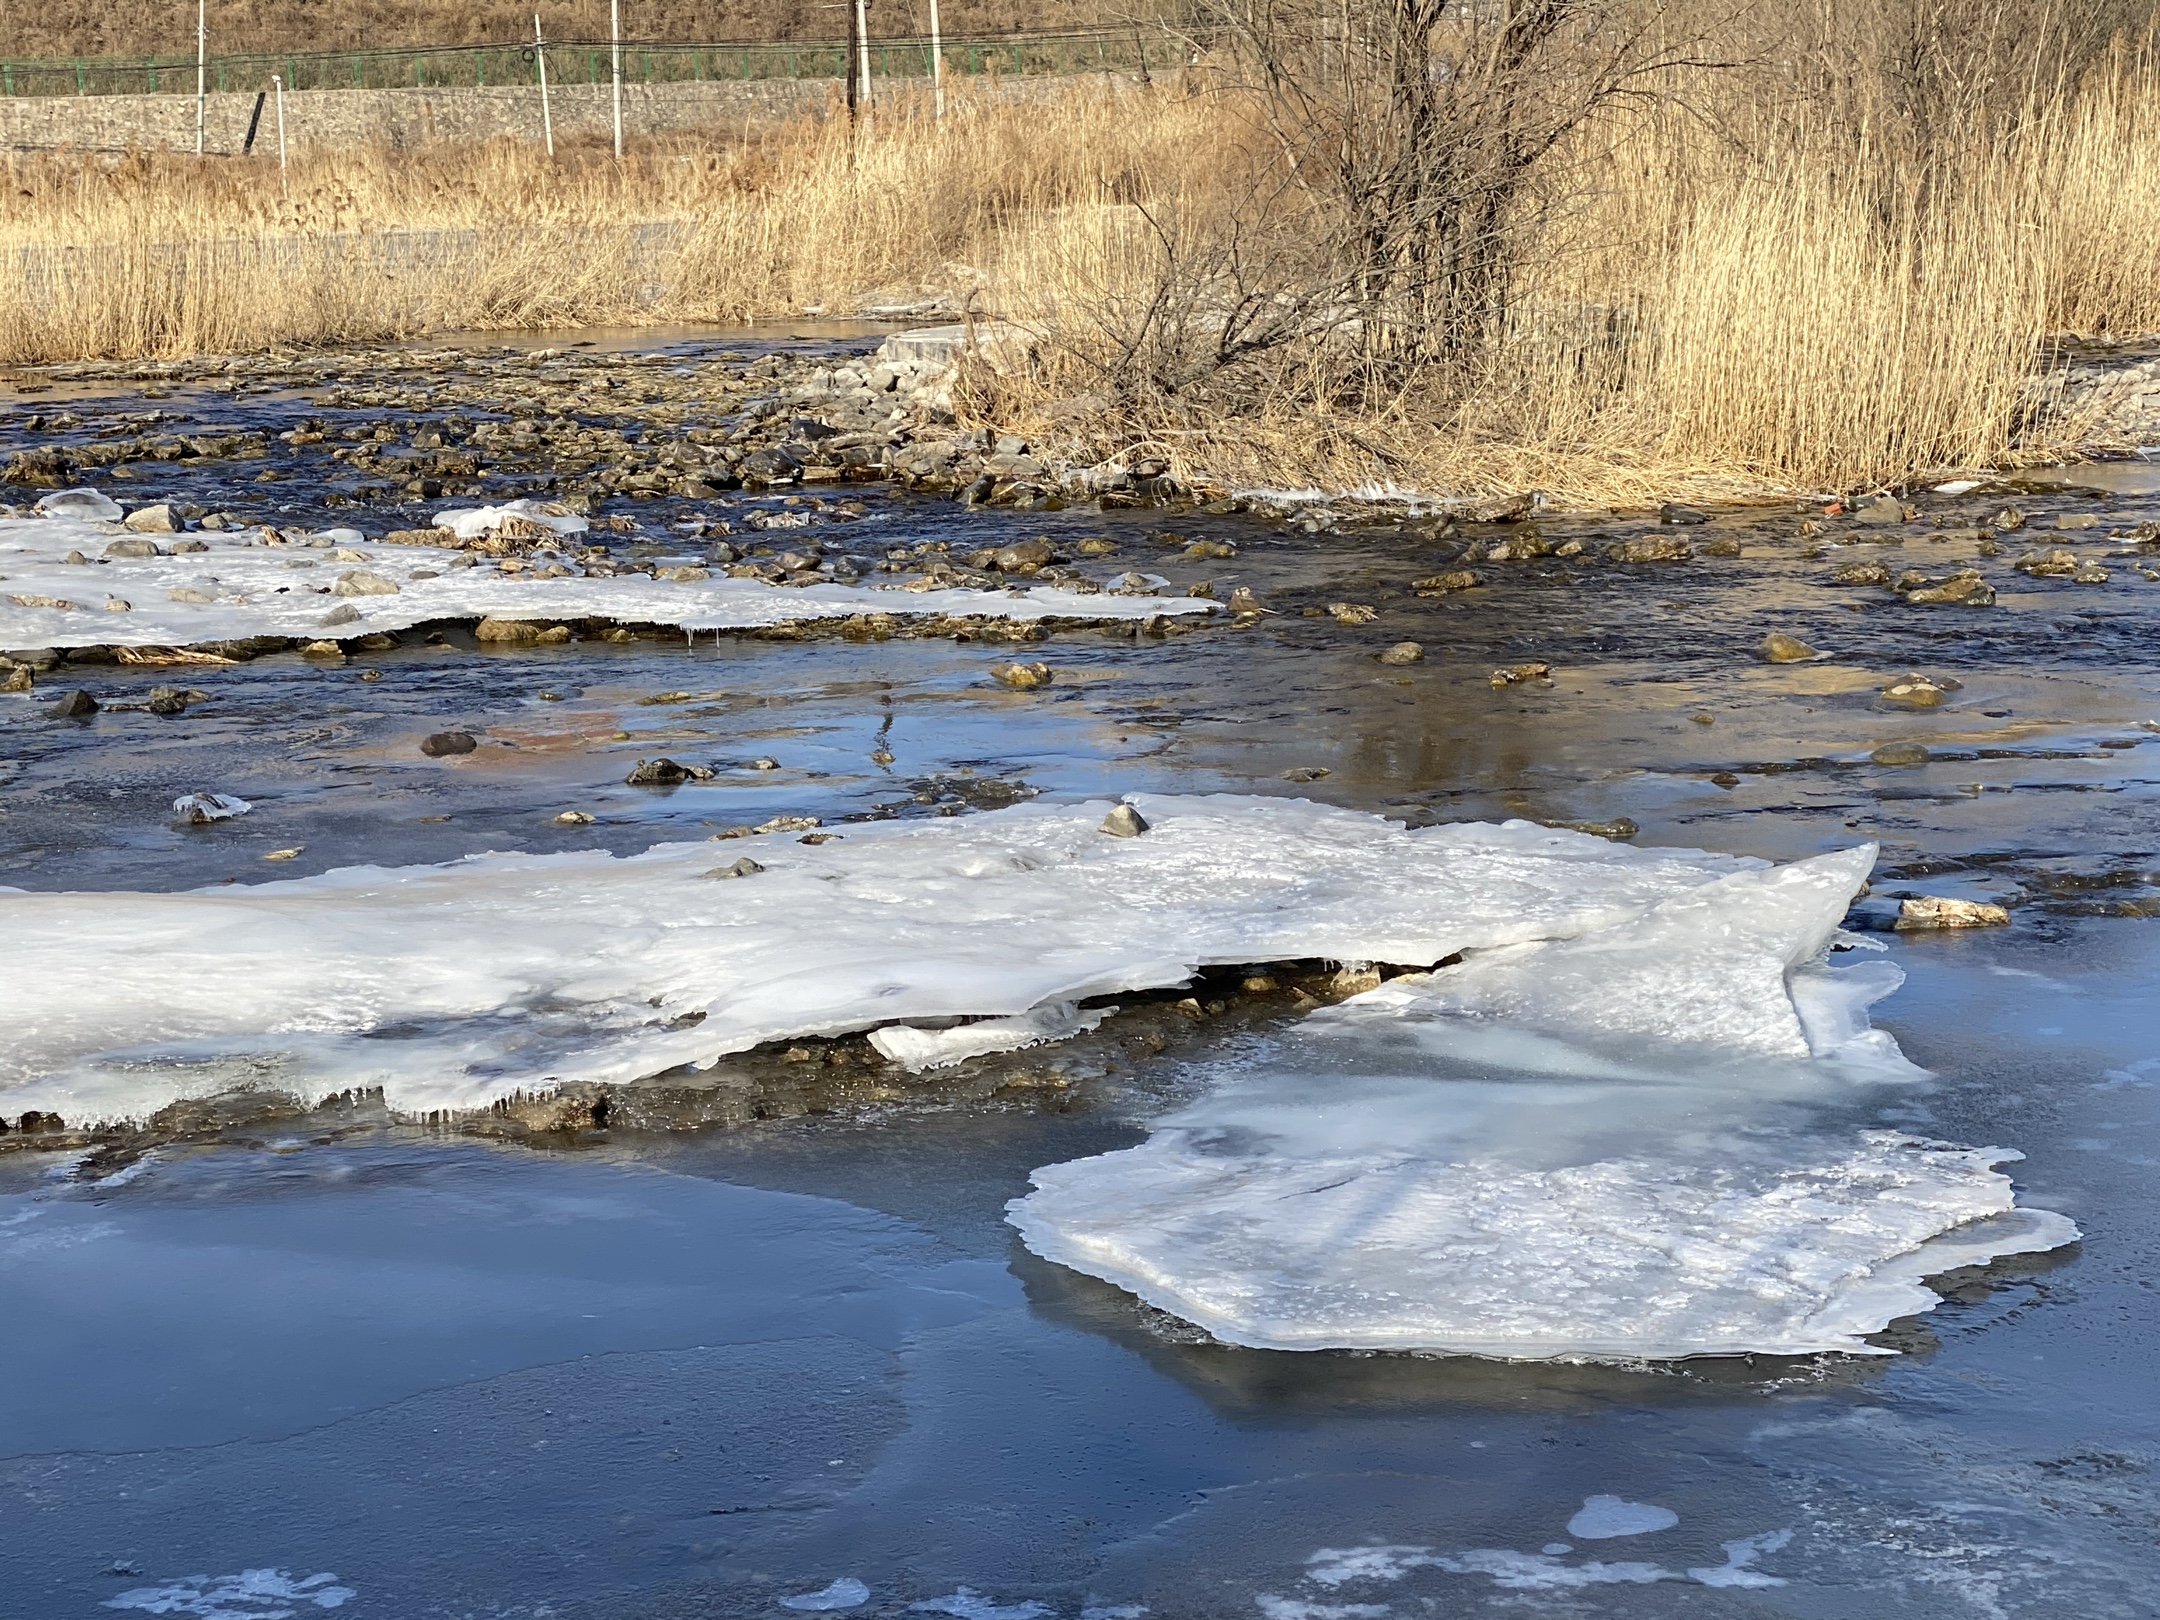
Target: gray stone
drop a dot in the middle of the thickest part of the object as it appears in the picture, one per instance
(1779, 648)
(742, 868)
(77, 705)
(444, 744)
(657, 773)
(1124, 822)
(130, 550)
(364, 582)
(158, 519)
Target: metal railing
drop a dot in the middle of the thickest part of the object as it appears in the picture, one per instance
(584, 61)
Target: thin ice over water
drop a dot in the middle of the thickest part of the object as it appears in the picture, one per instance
(1647, 1141)
(454, 986)
(257, 590)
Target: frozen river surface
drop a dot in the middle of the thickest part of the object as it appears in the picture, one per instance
(761, 1340)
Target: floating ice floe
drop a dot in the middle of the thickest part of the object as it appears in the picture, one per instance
(234, 588)
(845, 1593)
(453, 986)
(253, 1594)
(1547, 1571)
(1647, 1141)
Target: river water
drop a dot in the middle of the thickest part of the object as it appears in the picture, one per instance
(278, 1363)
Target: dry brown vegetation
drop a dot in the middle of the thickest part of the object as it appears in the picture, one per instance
(1624, 256)
(37, 29)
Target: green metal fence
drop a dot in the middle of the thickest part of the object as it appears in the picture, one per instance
(583, 62)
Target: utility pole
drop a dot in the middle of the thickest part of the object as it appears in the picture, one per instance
(854, 64)
(937, 59)
(279, 83)
(862, 44)
(615, 28)
(202, 47)
(547, 118)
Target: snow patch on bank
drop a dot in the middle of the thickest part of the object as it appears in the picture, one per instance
(236, 589)
(1632, 1143)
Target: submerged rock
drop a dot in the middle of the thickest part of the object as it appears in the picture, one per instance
(1403, 652)
(1963, 589)
(1779, 648)
(1651, 548)
(1023, 677)
(1901, 753)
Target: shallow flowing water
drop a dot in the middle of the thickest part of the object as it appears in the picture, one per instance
(282, 1363)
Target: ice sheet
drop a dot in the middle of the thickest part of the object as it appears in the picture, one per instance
(1621, 1145)
(259, 590)
(453, 986)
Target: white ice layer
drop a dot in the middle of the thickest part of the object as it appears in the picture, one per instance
(237, 588)
(1647, 1141)
(453, 986)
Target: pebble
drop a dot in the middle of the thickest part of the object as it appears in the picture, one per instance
(1462, 579)
(1124, 822)
(1515, 674)
(444, 744)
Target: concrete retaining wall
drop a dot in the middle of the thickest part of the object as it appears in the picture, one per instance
(393, 117)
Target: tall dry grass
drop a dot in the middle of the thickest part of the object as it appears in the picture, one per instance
(1761, 299)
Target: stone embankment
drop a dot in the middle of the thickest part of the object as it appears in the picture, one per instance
(415, 117)
(397, 118)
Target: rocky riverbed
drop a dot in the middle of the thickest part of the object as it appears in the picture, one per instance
(768, 1307)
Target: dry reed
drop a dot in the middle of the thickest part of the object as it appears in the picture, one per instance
(1778, 309)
